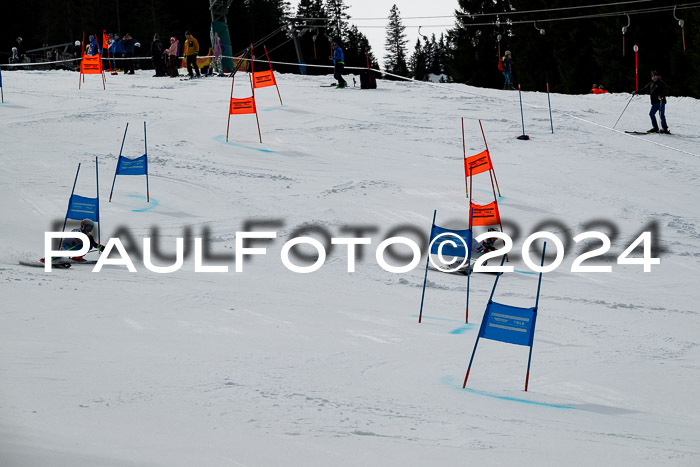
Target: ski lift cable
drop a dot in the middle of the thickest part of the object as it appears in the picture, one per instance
(549, 20)
(474, 15)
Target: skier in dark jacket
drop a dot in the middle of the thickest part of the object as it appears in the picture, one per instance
(508, 70)
(657, 90)
(338, 64)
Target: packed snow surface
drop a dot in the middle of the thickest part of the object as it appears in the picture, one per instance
(269, 367)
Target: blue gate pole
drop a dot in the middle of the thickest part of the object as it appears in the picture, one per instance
(97, 181)
(466, 377)
(70, 201)
(537, 302)
(549, 103)
(145, 144)
(522, 118)
(427, 260)
(118, 161)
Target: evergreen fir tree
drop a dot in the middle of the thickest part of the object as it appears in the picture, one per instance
(337, 19)
(356, 49)
(418, 62)
(395, 60)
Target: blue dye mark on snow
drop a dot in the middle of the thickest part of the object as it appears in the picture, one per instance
(154, 202)
(437, 319)
(525, 272)
(273, 108)
(462, 329)
(516, 399)
(449, 380)
(483, 190)
(222, 139)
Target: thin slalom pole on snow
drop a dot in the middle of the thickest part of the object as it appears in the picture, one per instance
(492, 171)
(118, 161)
(145, 147)
(427, 261)
(522, 117)
(625, 109)
(549, 103)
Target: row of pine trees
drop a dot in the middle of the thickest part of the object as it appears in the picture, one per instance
(570, 54)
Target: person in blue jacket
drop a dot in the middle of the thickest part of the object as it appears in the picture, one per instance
(93, 48)
(128, 43)
(338, 64)
(508, 70)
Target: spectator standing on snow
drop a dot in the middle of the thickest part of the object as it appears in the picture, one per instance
(657, 90)
(338, 64)
(92, 48)
(20, 50)
(118, 49)
(217, 52)
(112, 51)
(128, 45)
(171, 54)
(508, 70)
(191, 52)
(77, 49)
(157, 56)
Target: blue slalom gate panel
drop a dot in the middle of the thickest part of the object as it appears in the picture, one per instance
(80, 207)
(138, 166)
(508, 324)
(459, 237)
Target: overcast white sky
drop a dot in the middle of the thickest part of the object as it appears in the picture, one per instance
(375, 29)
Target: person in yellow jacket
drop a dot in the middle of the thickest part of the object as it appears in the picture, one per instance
(191, 52)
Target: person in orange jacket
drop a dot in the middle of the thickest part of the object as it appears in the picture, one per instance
(191, 52)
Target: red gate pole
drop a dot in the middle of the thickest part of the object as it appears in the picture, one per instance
(82, 52)
(252, 89)
(273, 74)
(228, 123)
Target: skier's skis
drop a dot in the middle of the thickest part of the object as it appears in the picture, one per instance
(40, 264)
(84, 261)
(660, 132)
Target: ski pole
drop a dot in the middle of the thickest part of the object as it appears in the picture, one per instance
(551, 123)
(628, 103)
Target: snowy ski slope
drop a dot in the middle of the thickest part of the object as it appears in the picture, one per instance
(268, 367)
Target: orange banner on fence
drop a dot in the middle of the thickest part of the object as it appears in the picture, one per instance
(201, 61)
(485, 215)
(263, 79)
(91, 65)
(242, 106)
(477, 164)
